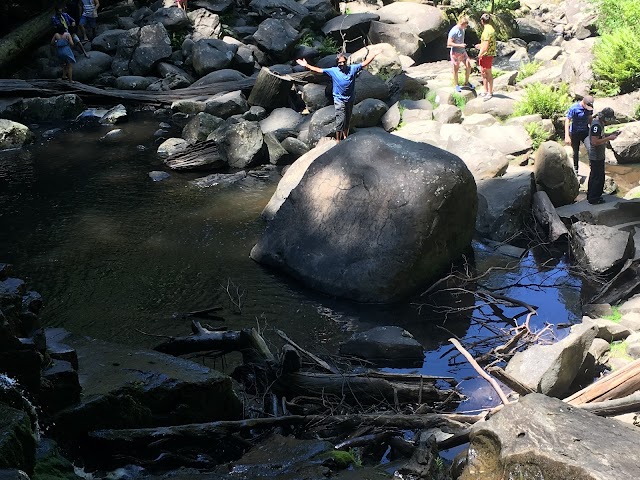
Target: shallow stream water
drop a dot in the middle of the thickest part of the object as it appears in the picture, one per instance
(117, 256)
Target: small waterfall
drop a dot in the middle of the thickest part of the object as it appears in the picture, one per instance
(11, 393)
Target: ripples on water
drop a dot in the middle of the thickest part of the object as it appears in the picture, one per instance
(114, 253)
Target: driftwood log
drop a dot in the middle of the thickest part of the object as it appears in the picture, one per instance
(618, 384)
(270, 90)
(545, 214)
(201, 155)
(21, 40)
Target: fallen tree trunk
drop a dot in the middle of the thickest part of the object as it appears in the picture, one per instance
(270, 90)
(201, 155)
(21, 40)
(618, 384)
(545, 213)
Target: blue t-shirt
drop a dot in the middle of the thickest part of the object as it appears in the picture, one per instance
(457, 35)
(344, 84)
(579, 117)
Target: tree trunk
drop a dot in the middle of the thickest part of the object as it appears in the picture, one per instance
(22, 39)
(270, 90)
(546, 215)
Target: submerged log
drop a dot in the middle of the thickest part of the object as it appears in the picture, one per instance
(271, 90)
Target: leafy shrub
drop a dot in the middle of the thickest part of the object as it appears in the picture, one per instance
(636, 112)
(616, 64)
(547, 100)
(432, 96)
(328, 46)
(527, 69)
(614, 14)
(496, 72)
(306, 40)
(615, 316)
(459, 100)
(537, 133)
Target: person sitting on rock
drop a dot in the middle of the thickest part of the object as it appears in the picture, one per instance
(576, 126)
(63, 42)
(597, 144)
(343, 78)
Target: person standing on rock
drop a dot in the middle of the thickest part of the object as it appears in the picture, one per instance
(597, 144)
(63, 42)
(487, 47)
(576, 126)
(343, 78)
(61, 18)
(455, 41)
(88, 18)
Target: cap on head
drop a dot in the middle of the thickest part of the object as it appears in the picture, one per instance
(607, 113)
(587, 101)
(485, 18)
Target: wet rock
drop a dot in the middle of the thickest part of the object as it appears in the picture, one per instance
(17, 441)
(550, 369)
(60, 386)
(212, 54)
(13, 134)
(158, 176)
(241, 144)
(504, 205)
(61, 107)
(50, 464)
(385, 346)
(515, 443)
(115, 115)
(172, 146)
(13, 474)
(200, 126)
(554, 174)
(113, 136)
(343, 209)
(600, 249)
(218, 179)
(276, 37)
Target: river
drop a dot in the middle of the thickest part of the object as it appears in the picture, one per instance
(118, 257)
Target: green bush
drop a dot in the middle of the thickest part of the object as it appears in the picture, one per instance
(537, 133)
(306, 40)
(616, 64)
(547, 100)
(459, 100)
(614, 14)
(527, 69)
(328, 46)
(432, 96)
(636, 112)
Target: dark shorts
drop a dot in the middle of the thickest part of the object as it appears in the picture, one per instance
(343, 115)
(88, 21)
(485, 61)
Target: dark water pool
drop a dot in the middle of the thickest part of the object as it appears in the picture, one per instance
(115, 254)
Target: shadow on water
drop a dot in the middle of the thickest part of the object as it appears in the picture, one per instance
(115, 254)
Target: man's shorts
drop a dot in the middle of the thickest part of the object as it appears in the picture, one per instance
(343, 115)
(485, 61)
(457, 58)
(88, 21)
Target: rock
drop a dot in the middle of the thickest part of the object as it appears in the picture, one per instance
(611, 331)
(600, 249)
(60, 386)
(547, 54)
(530, 29)
(295, 147)
(205, 24)
(508, 139)
(400, 112)
(320, 11)
(631, 321)
(50, 464)
(150, 45)
(479, 120)
(200, 126)
(352, 28)
(386, 64)
(241, 144)
(502, 82)
(220, 76)
(370, 86)
(112, 136)
(126, 387)
(515, 443)
(315, 96)
(172, 146)
(158, 176)
(489, 163)
(281, 118)
(500, 106)
(218, 179)
(276, 37)
(447, 114)
(166, 70)
(86, 70)
(212, 54)
(368, 113)
(552, 74)
(225, 105)
(13, 134)
(627, 146)
(554, 174)
(133, 82)
(17, 441)
(287, 10)
(107, 42)
(385, 346)
(117, 114)
(550, 369)
(292, 177)
(576, 70)
(504, 204)
(172, 18)
(278, 155)
(188, 107)
(255, 113)
(363, 209)
(322, 124)
(409, 27)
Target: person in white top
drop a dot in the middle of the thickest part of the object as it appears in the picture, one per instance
(455, 41)
(88, 18)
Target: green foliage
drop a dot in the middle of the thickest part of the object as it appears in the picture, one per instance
(401, 109)
(385, 73)
(537, 133)
(431, 95)
(616, 316)
(306, 40)
(547, 100)
(496, 72)
(492, 6)
(328, 46)
(614, 14)
(616, 64)
(527, 69)
(177, 39)
(459, 100)
(619, 350)
(636, 112)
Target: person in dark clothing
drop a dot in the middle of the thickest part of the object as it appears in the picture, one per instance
(576, 126)
(68, 22)
(597, 144)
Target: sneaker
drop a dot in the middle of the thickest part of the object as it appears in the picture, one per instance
(458, 88)
(488, 96)
(597, 201)
(482, 94)
(470, 85)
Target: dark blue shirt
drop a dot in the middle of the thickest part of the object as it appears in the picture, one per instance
(579, 117)
(64, 19)
(344, 84)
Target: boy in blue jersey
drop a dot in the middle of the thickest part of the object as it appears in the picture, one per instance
(343, 78)
(576, 126)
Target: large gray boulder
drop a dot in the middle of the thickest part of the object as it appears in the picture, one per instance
(626, 147)
(542, 437)
(409, 27)
(219, 76)
(225, 105)
(86, 70)
(200, 127)
(212, 54)
(13, 134)
(550, 369)
(107, 42)
(385, 346)
(555, 175)
(508, 139)
(373, 219)
(205, 24)
(281, 118)
(140, 49)
(320, 11)
(315, 96)
(370, 86)
(352, 28)
(504, 204)
(288, 10)
(368, 113)
(240, 143)
(600, 248)
(276, 37)
(38, 109)
(401, 112)
(500, 106)
(133, 82)
(322, 124)
(172, 18)
(576, 70)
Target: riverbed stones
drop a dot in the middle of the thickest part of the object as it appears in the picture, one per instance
(373, 219)
(276, 37)
(352, 28)
(117, 114)
(13, 134)
(200, 127)
(389, 346)
(227, 104)
(210, 54)
(599, 248)
(172, 146)
(205, 24)
(172, 18)
(240, 143)
(554, 174)
(543, 437)
(107, 42)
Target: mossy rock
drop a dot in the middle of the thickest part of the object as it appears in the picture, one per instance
(17, 442)
(51, 465)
